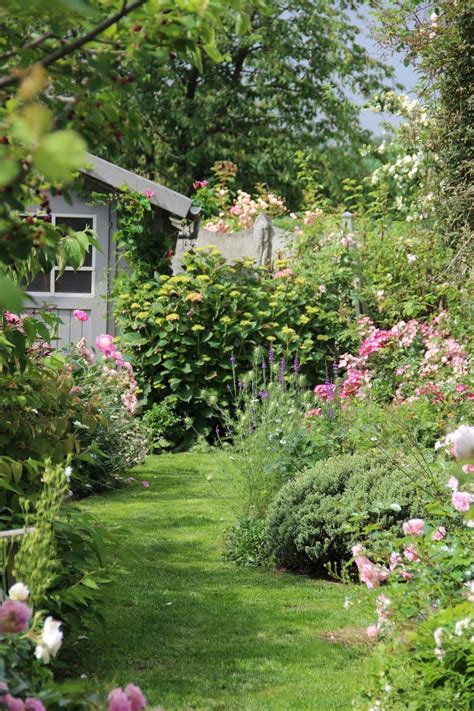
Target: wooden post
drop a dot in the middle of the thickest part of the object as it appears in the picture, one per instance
(347, 227)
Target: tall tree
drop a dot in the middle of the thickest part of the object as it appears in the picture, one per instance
(286, 85)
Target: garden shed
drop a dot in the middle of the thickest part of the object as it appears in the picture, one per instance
(88, 287)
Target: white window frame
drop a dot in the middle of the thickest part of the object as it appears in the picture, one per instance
(53, 273)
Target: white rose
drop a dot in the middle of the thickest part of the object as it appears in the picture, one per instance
(51, 640)
(19, 592)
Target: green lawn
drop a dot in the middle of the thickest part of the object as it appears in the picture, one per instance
(196, 632)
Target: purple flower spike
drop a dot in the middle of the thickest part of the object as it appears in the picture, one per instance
(264, 365)
(263, 394)
(296, 365)
(271, 355)
(232, 359)
(240, 384)
(282, 365)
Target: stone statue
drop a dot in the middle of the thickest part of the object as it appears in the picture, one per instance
(262, 237)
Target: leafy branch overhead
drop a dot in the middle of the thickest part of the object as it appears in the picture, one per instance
(60, 80)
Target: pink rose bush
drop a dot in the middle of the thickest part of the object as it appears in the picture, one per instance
(30, 643)
(408, 362)
(426, 617)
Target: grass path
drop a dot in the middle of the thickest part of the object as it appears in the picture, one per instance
(194, 631)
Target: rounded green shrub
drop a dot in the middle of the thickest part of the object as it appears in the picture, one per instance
(316, 518)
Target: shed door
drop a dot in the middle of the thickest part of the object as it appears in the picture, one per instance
(85, 289)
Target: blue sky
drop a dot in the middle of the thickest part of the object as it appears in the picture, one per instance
(404, 75)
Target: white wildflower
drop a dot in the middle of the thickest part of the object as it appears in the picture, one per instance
(18, 592)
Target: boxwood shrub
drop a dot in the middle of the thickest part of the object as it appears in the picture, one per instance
(311, 521)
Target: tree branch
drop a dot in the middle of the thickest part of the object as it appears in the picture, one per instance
(67, 49)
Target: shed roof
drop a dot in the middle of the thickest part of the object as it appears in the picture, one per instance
(114, 176)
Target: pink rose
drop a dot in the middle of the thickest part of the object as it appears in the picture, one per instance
(12, 704)
(453, 483)
(314, 412)
(462, 500)
(105, 344)
(80, 315)
(412, 554)
(406, 575)
(14, 617)
(34, 705)
(145, 485)
(136, 698)
(395, 559)
(439, 534)
(118, 701)
(373, 631)
(462, 441)
(414, 527)
(468, 469)
(149, 193)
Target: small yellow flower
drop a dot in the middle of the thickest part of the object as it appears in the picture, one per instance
(303, 319)
(234, 294)
(194, 296)
(272, 303)
(203, 277)
(288, 331)
(197, 327)
(245, 323)
(263, 313)
(281, 262)
(300, 280)
(172, 317)
(206, 359)
(148, 286)
(159, 321)
(247, 315)
(226, 320)
(271, 338)
(312, 309)
(142, 314)
(164, 277)
(135, 305)
(147, 303)
(216, 253)
(219, 287)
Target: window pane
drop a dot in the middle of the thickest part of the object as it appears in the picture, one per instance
(74, 283)
(78, 224)
(41, 282)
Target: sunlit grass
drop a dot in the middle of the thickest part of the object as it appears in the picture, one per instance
(194, 631)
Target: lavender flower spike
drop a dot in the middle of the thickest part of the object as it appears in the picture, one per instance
(271, 355)
(296, 365)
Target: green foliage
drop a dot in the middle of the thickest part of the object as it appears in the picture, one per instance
(245, 543)
(35, 563)
(308, 524)
(279, 89)
(183, 330)
(438, 37)
(162, 423)
(424, 615)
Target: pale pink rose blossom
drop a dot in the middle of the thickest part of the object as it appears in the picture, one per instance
(149, 193)
(414, 527)
(105, 344)
(373, 631)
(406, 575)
(462, 500)
(439, 534)
(462, 441)
(411, 554)
(453, 483)
(468, 469)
